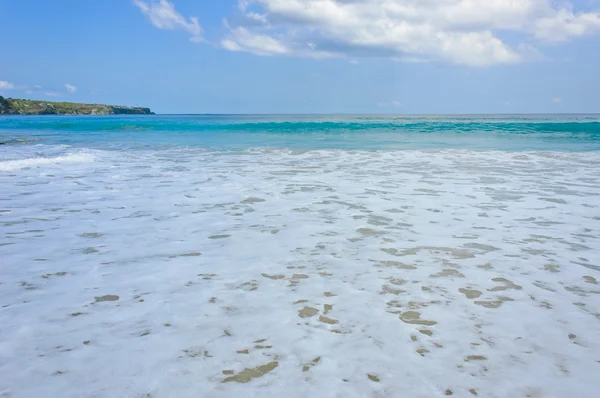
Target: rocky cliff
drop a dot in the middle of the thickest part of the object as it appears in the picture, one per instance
(10, 106)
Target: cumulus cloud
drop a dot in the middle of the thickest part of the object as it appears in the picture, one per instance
(71, 89)
(162, 14)
(565, 24)
(467, 32)
(4, 85)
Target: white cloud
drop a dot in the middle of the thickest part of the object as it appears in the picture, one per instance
(71, 89)
(565, 24)
(242, 40)
(4, 85)
(467, 32)
(557, 100)
(162, 14)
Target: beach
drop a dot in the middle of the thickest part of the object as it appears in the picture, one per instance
(300, 256)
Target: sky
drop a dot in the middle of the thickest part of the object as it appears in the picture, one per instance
(306, 56)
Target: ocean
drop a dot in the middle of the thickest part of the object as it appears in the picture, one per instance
(300, 256)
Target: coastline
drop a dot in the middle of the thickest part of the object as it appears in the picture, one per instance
(198, 268)
(15, 107)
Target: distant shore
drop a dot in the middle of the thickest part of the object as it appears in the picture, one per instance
(12, 106)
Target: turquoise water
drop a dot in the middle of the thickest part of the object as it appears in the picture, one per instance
(536, 132)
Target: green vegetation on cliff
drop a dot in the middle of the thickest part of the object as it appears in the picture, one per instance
(11, 106)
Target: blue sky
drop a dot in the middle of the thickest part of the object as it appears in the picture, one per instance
(306, 56)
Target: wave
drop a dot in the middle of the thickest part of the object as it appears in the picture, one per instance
(273, 124)
(515, 133)
(9, 165)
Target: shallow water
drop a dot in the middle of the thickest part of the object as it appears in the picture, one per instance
(199, 261)
(508, 132)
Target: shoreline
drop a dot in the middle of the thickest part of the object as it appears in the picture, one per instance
(25, 107)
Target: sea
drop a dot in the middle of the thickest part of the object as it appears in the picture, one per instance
(300, 256)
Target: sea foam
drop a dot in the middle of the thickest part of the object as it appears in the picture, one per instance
(8, 165)
(185, 272)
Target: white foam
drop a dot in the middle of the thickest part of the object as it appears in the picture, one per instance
(9, 165)
(212, 252)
